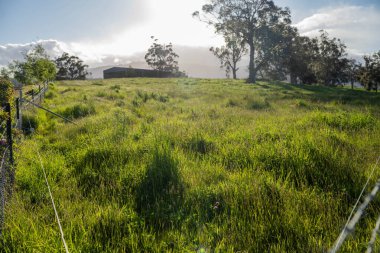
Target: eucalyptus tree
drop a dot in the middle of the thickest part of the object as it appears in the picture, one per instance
(330, 60)
(36, 67)
(70, 67)
(351, 71)
(230, 54)
(369, 74)
(162, 57)
(249, 20)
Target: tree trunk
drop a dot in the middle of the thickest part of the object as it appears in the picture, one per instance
(234, 73)
(293, 78)
(352, 84)
(252, 68)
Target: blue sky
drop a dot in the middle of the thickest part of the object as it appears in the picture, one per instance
(109, 31)
(22, 21)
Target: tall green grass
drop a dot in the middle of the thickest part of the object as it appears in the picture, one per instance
(189, 165)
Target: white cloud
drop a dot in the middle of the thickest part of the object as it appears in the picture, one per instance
(10, 52)
(357, 26)
(167, 20)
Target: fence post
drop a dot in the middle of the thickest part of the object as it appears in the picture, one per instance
(9, 132)
(20, 111)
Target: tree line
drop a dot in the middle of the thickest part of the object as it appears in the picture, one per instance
(257, 28)
(38, 67)
(276, 50)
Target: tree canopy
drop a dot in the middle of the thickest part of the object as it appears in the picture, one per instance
(70, 67)
(276, 49)
(254, 21)
(369, 74)
(162, 57)
(230, 54)
(36, 67)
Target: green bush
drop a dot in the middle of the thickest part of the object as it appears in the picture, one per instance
(6, 91)
(257, 103)
(200, 145)
(78, 111)
(30, 123)
(50, 95)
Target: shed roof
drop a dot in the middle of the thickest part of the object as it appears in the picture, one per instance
(115, 69)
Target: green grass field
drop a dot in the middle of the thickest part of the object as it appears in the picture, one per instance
(187, 165)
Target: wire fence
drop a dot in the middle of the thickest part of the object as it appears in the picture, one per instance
(11, 119)
(353, 219)
(34, 102)
(6, 175)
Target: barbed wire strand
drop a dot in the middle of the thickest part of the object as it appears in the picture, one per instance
(350, 224)
(52, 199)
(375, 231)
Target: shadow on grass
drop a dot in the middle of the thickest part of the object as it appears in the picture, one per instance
(331, 94)
(161, 191)
(316, 93)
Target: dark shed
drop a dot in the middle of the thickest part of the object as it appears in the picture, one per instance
(118, 72)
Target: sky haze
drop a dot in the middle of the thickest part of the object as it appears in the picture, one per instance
(105, 33)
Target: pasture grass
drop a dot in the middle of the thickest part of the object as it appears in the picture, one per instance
(194, 165)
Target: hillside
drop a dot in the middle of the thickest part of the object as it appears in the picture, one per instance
(187, 165)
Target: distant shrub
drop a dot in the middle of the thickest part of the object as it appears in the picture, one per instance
(114, 96)
(30, 123)
(162, 98)
(67, 90)
(200, 145)
(110, 95)
(232, 103)
(115, 87)
(50, 95)
(101, 94)
(257, 103)
(78, 111)
(98, 83)
(302, 104)
(143, 97)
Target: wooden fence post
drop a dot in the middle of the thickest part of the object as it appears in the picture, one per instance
(9, 132)
(20, 111)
